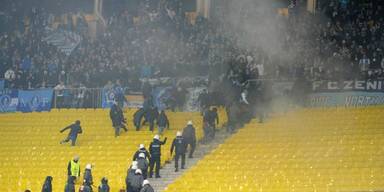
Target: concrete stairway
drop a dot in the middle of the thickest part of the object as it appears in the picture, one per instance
(168, 174)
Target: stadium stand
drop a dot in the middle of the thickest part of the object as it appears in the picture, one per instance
(336, 149)
(31, 150)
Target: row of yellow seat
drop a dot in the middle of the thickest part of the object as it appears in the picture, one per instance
(30, 148)
(303, 150)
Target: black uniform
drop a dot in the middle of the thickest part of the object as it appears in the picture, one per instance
(143, 150)
(162, 122)
(70, 186)
(137, 117)
(128, 179)
(142, 164)
(155, 151)
(147, 188)
(152, 116)
(180, 148)
(137, 182)
(189, 136)
(117, 117)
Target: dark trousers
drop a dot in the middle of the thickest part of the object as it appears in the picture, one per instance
(177, 157)
(192, 145)
(154, 160)
(117, 130)
(72, 138)
(151, 125)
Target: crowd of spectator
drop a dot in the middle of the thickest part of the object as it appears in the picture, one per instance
(341, 41)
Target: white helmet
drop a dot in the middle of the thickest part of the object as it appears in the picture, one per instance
(189, 123)
(145, 182)
(156, 137)
(138, 171)
(88, 166)
(141, 146)
(142, 155)
(178, 134)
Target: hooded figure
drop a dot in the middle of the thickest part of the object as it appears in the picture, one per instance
(189, 136)
(142, 164)
(137, 181)
(146, 187)
(130, 174)
(47, 186)
(75, 129)
(70, 186)
(103, 187)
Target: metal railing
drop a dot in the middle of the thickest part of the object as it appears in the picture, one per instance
(77, 98)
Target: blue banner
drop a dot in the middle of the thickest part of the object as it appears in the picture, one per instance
(35, 100)
(8, 100)
(346, 99)
(108, 96)
(113, 94)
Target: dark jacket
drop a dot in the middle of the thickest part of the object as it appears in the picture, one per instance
(152, 114)
(128, 179)
(104, 187)
(74, 130)
(47, 186)
(146, 153)
(147, 188)
(137, 182)
(138, 116)
(189, 134)
(70, 186)
(178, 144)
(155, 147)
(116, 115)
(88, 177)
(142, 164)
(162, 120)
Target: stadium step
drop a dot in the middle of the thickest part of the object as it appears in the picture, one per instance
(168, 174)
